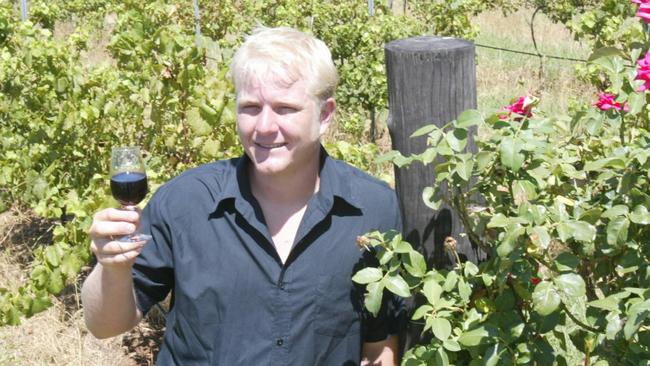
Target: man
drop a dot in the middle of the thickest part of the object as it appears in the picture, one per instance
(258, 251)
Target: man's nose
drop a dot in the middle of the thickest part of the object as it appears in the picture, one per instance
(266, 121)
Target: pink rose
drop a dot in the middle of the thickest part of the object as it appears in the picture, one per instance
(643, 72)
(606, 102)
(641, 1)
(523, 107)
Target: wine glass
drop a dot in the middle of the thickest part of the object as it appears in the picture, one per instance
(128, 182)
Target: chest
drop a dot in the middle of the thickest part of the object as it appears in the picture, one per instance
(283, 226)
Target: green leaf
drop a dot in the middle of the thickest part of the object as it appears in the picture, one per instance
(199, 126)
(441, 357)
(424, 130)
(546, 299)
(609, 303)
(457, 139)
(415, 265)
(70, 265)
(450, 281)
(511, 156)
(566, 262)
(617, 231)
(374, 294)
(498, 220)
(636, 102)
(432, 291)
(13, 316)
(451, 345)
(464, 169)
(509, 241)
(40, 303)
(470, 269)
(397, 285)
(389, 156)
(464, 290)
(429, 155)
(616, 163)
(483, 159)
(605, 52)
(470, 117)
(614, 325)
(55, 283)
(540, 237)
(523, 191)
(640, 215)
(583, 231)
(400, 246)
(571, 284)
(579, 230)
(614, 211)
(635, 317)
(429, 196)
(422, 311)
(441, 328)
(52, 256)
(475, 337)
(491, 356)
(211, 149)
(368, 275)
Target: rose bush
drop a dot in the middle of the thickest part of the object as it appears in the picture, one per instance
(561, 207)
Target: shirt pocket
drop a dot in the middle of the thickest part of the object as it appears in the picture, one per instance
(337, 306)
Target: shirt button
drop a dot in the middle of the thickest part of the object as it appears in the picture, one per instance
(279, 342)
(282, 285)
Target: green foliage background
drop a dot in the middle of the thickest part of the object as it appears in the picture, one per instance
(565, 198)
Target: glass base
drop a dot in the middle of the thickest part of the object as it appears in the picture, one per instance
(135, 237)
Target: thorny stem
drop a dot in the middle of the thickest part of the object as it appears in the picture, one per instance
(462, 214)
(580, 323)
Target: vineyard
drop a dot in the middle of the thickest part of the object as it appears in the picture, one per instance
(563, 212)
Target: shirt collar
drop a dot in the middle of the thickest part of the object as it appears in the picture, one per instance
(334, 182)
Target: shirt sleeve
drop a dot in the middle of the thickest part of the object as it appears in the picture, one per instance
(153, 273)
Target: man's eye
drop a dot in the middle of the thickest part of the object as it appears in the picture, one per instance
(249, 108)
(287, 109)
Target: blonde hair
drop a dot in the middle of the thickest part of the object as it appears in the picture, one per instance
(288, 55)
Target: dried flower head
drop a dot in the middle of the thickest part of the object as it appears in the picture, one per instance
(363, 242)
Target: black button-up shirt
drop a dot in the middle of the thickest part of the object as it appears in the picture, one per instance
(235, 302)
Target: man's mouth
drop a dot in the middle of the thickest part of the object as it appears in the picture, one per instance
(269, 146)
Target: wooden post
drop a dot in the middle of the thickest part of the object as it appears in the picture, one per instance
(431, 80)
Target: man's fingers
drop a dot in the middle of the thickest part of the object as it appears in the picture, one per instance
(120, 259)
(112, 248)
(114, 214)
(111, 228)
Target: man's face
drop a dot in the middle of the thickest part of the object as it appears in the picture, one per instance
(280, 126)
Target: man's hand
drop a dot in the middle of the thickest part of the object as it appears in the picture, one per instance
(382, 353)
(108, 226)
(107, 294)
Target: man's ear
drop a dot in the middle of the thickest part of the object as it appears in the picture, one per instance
(327, 110)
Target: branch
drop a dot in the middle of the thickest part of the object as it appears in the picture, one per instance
(575, 320)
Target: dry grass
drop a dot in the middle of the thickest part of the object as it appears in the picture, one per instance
(55, 337)
(503, 75)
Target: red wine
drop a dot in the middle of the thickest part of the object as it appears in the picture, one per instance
(129, 188)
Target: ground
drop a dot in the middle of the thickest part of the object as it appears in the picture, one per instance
(58, 336)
